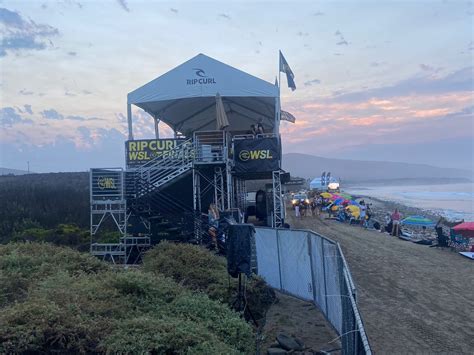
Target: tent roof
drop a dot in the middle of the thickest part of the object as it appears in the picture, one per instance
(184, 98)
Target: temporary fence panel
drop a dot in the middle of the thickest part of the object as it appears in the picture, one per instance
(312, 267)
(333, 284)
(295, 265)
(268, 264)
(317, 267)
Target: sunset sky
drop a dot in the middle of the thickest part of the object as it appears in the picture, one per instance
(378, 80)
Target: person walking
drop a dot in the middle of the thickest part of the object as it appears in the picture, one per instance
(396, 217)
(213, 218)
(297, 211)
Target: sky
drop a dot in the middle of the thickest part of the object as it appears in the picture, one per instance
(376, 80)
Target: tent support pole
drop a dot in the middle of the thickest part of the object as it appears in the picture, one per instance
(129, 119)
(157, 128)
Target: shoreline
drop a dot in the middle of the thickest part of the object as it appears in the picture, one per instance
(406, 210)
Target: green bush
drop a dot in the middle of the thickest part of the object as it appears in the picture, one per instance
(23, 265)
(73, 303)
(198, 269)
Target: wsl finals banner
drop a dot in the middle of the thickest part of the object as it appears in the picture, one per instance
(257, 155)
(141, 151)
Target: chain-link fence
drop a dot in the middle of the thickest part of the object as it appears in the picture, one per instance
(312, 267)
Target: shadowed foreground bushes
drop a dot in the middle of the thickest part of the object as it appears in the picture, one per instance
(198, 269)
(58, 300)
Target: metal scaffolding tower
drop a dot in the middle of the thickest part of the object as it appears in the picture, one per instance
(278, 203)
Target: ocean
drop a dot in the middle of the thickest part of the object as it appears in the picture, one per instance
(453, 201)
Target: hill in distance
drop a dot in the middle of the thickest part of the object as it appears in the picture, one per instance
(6, 171)
(310, 166)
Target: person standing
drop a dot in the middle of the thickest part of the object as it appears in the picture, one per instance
(363, 209)
(213, 217)
(396, 217)
(297, 211)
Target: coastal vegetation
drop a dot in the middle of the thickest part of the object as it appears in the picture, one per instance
(56, 299)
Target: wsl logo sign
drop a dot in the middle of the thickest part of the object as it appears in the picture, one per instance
(201, 78)
(245, 155)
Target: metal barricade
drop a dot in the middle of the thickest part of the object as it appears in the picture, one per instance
(312, 267)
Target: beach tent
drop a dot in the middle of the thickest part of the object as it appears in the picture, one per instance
(418, 221)
(185, 98)
(465, 229)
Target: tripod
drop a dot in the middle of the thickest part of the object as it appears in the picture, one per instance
(240, 303)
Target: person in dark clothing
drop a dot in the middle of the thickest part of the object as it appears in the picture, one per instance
(253, 129)
(260, 129)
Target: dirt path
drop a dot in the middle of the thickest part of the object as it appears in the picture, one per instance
(413, 299)
(301, 319)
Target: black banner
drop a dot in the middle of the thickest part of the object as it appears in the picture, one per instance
(139, 152)
(257, 155)
(106, 182)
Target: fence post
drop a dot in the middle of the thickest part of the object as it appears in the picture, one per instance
(310, 252)
(324, 277)
(277, 233)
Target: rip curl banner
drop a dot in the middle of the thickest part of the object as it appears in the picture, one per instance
(257, 155)
(139, 152)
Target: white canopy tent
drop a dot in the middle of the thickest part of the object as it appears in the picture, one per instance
(185, 98)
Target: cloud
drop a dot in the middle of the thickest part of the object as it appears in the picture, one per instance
(226, 16)
(9, 117)
(302, 34)
(377, 64)
(25, 92)
(428, 68)
(28, 109)
(20, 34)
(52, 114)
(318, 13)
(72, 54)
(174, 10)
(86, 92)
(458, 81)
(76, 118)
(342, 40)
(311, 82)
(123, 4)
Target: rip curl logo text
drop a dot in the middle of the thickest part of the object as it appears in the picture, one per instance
(245, 155)
(203, 78)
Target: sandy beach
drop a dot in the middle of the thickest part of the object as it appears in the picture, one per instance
(413, 299)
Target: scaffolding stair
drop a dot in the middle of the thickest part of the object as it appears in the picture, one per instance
(157, 172)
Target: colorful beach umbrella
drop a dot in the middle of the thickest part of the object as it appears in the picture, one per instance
(326, 195)
(346, 196)
(466, 229)
(419, 221)
(354, 210)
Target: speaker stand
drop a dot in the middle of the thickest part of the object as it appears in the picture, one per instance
(240, 304)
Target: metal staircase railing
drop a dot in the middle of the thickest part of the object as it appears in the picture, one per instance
(163, 169)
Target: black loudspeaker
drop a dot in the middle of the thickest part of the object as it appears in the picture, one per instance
(285, 177)
(241, 250)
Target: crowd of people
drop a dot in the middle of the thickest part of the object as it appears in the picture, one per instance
(350, 211)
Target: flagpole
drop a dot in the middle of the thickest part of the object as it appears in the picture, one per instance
(279, 94)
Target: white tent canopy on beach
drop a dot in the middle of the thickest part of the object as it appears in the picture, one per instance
(185, 98)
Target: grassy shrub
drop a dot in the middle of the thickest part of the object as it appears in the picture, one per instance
(23, 265)
(78, 305)
(198, 269)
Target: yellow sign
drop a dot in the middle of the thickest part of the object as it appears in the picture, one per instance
(245, 155)
(140, 151)
(106, 183)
